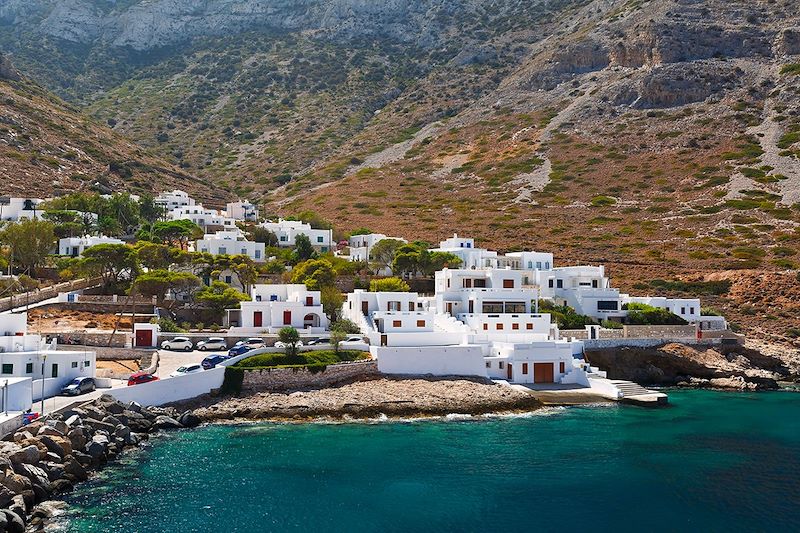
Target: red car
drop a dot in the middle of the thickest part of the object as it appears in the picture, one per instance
(141, 377)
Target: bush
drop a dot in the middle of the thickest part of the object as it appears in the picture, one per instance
(647, 315)
(600, 201)
(611, 324)
(345, 325)
(388, 285)
(168, 325)
(200, 326)
(565, 316)
(302, 359)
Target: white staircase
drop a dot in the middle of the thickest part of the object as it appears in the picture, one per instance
(630, 388)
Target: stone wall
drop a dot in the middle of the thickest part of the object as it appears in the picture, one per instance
(301, 378)
(73, 341)
(45, 293)
(659, 332)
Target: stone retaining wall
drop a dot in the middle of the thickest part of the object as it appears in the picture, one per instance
(121, 339)
(301, 378)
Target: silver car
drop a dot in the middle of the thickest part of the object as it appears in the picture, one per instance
(213, 343)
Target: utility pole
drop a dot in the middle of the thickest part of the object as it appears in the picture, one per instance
(44, 358)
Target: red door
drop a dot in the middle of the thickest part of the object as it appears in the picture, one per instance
(309, 300)
(543, 372)
(144, 337)
(287, 318)
(258, 319)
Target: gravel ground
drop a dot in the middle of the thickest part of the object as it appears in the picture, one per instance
(397, 397)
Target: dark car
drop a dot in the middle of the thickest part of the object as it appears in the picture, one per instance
(79, 386)
(213, 360)
(141, 377)
(238, 350)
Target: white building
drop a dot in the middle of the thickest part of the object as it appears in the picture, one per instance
(277, 306)
(16, 209)
(288, 230)
(242, 210)
(231, 243)
(174, 199)
(208, 219)
(24, 355)
(472, 258)
(75, 246)
(360, 247)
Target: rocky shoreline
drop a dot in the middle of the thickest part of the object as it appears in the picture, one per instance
(49, 456)
(392, 397)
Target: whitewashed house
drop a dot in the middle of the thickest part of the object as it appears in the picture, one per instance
(472, 258)
(22, 355)
(242, 210)
(75, 246)
(231, 243)
(174, 199)
(16, 209)
(276, 306)
(210, 220)
(288, 230)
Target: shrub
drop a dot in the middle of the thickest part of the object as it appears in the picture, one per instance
(290, 337)
(200, 326)
(600, 201)
(345, 325)
(611, 324)
(303, 359)
(647, 315)
(388, 285)
(168, 325)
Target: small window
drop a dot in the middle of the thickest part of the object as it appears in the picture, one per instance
(485, 327)
(691, 310)
(488, 364)
(550, 283)
(258, 254)
(499, 326)
(397, 323)
(524, 368)
(528, 326)
(86, 363)
(74, 364)
(501, 365)
(508, 283)
(8, 368)
(514, 326)
(54, 372)
(320, 239)
(559, 283)
(420, 323)
(29, 368)
(228, 279)
(683, 310)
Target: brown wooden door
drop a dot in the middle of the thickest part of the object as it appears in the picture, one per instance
(384, 340)
(510, 371)
(144, 337)
(258, 319)
(543, 372)
(365, 308)
(287, 318)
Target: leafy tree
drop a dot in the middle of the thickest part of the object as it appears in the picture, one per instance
(303, 248)
(315, 273)
(332, 301)
(406, 260)
(565, 316)
(361, 231)
(220, 296)
(337, 337)
(383, 253)
(346, 326)
(28, 242)
(66, 223)
(261, 234)
(388, 285)
(438, 260)
(172, 232)
(112, 262)
(158, 282)
(290, 337)
(241, 265)
(154, 256)
(149, 210)
(121, 212)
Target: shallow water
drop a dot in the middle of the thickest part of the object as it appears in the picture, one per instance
(711, 461)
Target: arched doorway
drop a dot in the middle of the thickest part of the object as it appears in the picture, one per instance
(311, 320)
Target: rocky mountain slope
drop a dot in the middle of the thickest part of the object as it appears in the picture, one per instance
(661, 137)
(48, 146)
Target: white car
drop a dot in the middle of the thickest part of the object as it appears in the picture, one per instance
(183, 370)
(354, 342)
(213, 343)
(281, 344)
(178, 343)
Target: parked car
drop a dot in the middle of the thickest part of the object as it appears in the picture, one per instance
(321, 340)
(178, 343)
(238, 349)
(354, 342)
(189, 369)
(254, 342)
(79, 386)
(281, 344)
(213, 343)
(141, 377)
(213, 360)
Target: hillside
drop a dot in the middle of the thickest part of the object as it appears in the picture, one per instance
(659, 137)
(48, 146)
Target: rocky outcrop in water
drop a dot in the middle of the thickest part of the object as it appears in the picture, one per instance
(49, 456)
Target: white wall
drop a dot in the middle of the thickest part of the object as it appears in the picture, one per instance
(171, 389)
(465, 360)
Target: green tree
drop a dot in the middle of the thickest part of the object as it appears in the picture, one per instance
(120, 214)
(28, 242)
(172, 232)
(337, 337)
(436, 261)
(388, 285)
(158, 282)
(332, 301)
(261, 234)
(290, 337)
(220, 296)
(112, 262)
(382, 254)
(149, 210)
(153, 255)
(346, 326)
(315, 273)
(303, 248)
(647, 315)
(66, 223)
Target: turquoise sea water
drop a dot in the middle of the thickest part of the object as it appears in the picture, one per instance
(712, 461)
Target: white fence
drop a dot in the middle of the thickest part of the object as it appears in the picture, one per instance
(463, 360)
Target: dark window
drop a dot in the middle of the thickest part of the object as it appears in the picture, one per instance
(479, 283)
(492, 307)
(74, 364)
(515, 307)
(55, 370)
(607, 305)
(29, 368)
(550, 283)
(8, 368)
(560, 283)
(594, 283)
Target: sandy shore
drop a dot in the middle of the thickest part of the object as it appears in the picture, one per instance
(392, 397)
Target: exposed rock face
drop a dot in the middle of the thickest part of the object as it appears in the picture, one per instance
(7, 70)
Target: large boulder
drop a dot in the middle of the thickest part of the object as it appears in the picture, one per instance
(15, 482)
(37, 475)
(53, 446)
(166, 422)
(97, 425)
(189, 419)
(77, 438)
(14, 522)
(5, 496)
(29, 454)
(54, 470)
(75, 469)
(60, 486)
(60, 425)
(49, 430)
(72, 421)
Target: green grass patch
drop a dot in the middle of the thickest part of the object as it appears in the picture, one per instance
(315, 357)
